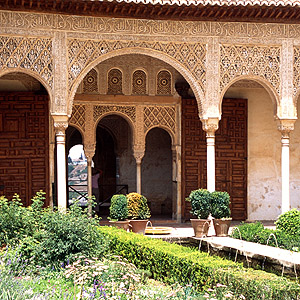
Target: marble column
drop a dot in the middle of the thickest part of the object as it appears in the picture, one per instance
(285, 127)
(210, 126)
(89, 151)
(60, 125)
(138, 155)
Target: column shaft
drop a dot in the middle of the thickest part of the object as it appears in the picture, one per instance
(211, 180)
(285, 173)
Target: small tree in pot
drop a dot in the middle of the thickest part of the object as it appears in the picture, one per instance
(138, 212)
(200, 202)
(220, 210)
(118, 211)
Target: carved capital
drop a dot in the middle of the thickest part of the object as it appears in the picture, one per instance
(60, 124)
(210, 126)
(89, 151)
(285, 126)
(138, 153)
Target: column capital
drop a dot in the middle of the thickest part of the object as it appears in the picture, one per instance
(138, 154)
(210, 126)
(285, 126)
(60, 123)
(89, 150)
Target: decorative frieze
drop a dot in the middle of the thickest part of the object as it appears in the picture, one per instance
(34, 54)
(262, 61)
(100, 110)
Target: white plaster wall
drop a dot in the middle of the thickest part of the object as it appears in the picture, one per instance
(295, 164)
(264, 154)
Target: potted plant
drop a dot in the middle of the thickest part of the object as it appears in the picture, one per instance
(118, 212)
(200, 202)
(220, 210)
(138, 212)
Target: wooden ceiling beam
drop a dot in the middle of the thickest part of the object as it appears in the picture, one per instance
(292, 14)
(278, 14)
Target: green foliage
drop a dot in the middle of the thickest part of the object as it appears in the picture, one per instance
(220, 205)
(118, 208)
(200, 202)
(173, 263)
(289, 222)
(255, 232)
(137, 207)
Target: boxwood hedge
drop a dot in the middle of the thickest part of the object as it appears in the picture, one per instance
(174, 263)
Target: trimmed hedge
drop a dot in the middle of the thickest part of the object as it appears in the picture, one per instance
(173, 263)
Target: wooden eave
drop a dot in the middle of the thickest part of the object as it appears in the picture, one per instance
(256, 13)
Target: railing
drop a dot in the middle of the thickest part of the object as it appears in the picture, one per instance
(108, 190)
(78, 192)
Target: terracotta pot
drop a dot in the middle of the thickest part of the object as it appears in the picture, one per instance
(121, 224)
(200, 227)
(221, 227)
(138, 226)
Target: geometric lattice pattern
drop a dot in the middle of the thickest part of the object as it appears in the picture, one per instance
(163, 83)
(78, 116)
(90, 82)
(296, 69)
(33, 54)
(114, 82)
(159, 115)
(129, 111)
(139, 83)
(189, 55)
(263, 61)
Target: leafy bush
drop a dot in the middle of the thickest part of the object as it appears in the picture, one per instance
(200, 202)
(255, 232)
(289, 222)
(220, 205)
(118, 208)
(137, 207)
(173, 263)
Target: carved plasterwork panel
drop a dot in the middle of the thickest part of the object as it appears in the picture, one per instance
(139, 83)
(114, 82)
(78, 117)
(159, 116)
(157, 28)
(296, 65)
(33, 54)
(100, 110)
(90, 82)
(83, 52)
(262, 61)
(163, 83)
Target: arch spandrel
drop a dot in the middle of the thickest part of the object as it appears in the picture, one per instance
(189, 59)
(30, 55)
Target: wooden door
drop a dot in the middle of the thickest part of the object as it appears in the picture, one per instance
(24, 145)
(231, 153)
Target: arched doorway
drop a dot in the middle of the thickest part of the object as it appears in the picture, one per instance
(77, 189)
(24, 138)
(113, 160)
(157, 173)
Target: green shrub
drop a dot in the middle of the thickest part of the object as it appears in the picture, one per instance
(118, 208)
(220, 205)
(255, 232)
(200, 202)
(289, 222)
(137, 207)
(173, 263)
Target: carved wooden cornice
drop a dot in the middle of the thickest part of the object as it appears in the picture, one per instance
(223, 10)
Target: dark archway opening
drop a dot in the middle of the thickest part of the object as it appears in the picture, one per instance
(157, 173)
